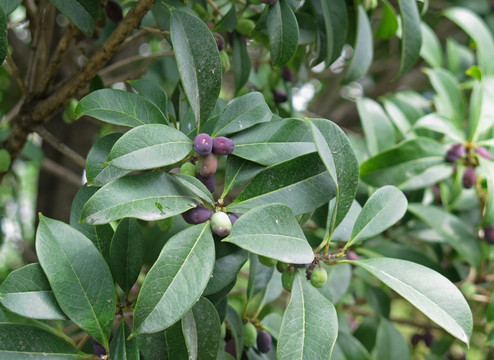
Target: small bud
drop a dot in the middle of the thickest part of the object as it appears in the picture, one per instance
(415, 339)
(469, 177)
(250, 334)
(456, 152)
(482, 151)
(264, 341)
(352, 255)
(287, 74)
(175, 171)
(428, 339)
(220, 41)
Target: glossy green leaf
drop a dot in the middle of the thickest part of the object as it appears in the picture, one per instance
(121, 348)
(411, 37)
(427, 290)
(481, 118)
(274, 141)
(388, 24)
(272, 231)
(337, 154)
(9, 5)
(381, 211)
(455, 231)
(176, 348)
(19, 342)
(363, 50)
(283, 32)
(478, 30)
(79, 277)
(196, 186)
(242, 113)
(399, 119)
(26, 292)
(3, 36)
(237, 328)
(126, 253)
(152, 346)
(147, 196)
(228, 22)
(348, 347)
(336, 25)
(240, 61)
(239, 171)
(198, 62)
(378, 130)
(148, 147)
(339, 278)
(120, 108)
(302, 183)
(431, 50)
(201, 329)
(165, 295)
(487, 168)
(399, 164)
(80, 13)
(153, 92)
(96, 173)
(390, 344)
(440, 124)
(310, 324)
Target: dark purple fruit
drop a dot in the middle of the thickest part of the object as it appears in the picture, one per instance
(415, 339)
(203, 144)
(455, 152)
(221, 224)
(233, 218)
(208, 164)
(223, 145)
(269, 2)
(113, 11)
(489, 234)
(197, 215)
(230, 348)
(98, 349)
(482, 151)
(469, 177)
(208, 181)
(220, 42)
(264, 341)
(287, 74)
(428, 339)
(279, 96)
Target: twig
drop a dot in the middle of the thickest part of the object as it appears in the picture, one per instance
(57, 144)
(132, 59)
(63, 173)
(12, 113)
(215, 7)
(83, 341)
(16, 75)
(154, 30)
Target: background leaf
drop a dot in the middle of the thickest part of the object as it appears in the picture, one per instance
(9, 5)
(237, 329)
(153, 92)
(165, 295)
(430, 292)
(82, 14)
(431, 50)
(79, 277)
(411, 37)
(3, 36)
(390, 344)
(240, 61)
(283, 32)
(239, 171)
(121, 348)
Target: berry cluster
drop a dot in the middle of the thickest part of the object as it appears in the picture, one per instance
(459, 153)
(252, 337)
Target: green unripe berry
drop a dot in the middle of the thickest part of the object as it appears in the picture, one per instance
(245, 26)
(250, 334)
(281, 266)
(188, 169)
(287, 278)
(4, 160)
(319, 277)
(223, 330)
(221, 224)
(225, 61)
(267, 261)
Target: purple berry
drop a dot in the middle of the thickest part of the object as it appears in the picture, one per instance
(203, 144)
(208, 164)
(415, 339)
(230, 348)
(220, 42)
(482, 151)
(428, 339)
(269, 2)
(197, 215)
(455, 152)
(489, 234)
(264, 341)
(113, 11)
(287, 74)
(223, 145)
(279, 96)
(208, 181)
(469, 177)
(351, 255)
(233, 218)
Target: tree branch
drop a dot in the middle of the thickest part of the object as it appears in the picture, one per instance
(16, 75)
(62, 172)
(57, 144)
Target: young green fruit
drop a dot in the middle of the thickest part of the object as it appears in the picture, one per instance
(188, 169)
(318, 277)
(281, 266)
(4, 160)
(250, 334)
(245, 26)
(287, 278)
(267, 261)
(221, 224)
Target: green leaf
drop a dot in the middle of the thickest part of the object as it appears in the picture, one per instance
(430, 292)
(283, 32)
(455, 231)
(196, 186)
(478, 30)
(411, 37)
(440, 124)
(337, 154)
(26, 292)
(165, 296)
(487, 167)
(121, 348)
(201, 329)
(227, 22)
(4, 46)
(274, 141)
(381, 211)
(126, 253)
(347, 347)
(238, 171)
(336, 25)
(398, 118)
(401, 163)
(176, 348)
(272, 231)
(153, 92)
(120, 108)
(240, 61)
(9, 6)
(339, 278)
(388, 24)
(147, 196)
(96, 173)
(390, 344)
(480, 118)
(363, 50)
(148, 147)
(378, 130)
(198, 62)
(21, 342)
(242, 113)
(79, 277)
(152, 346)
(431, 50)
(235, 323)
(310, 324)
(80, 15)
(302, 183)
